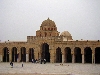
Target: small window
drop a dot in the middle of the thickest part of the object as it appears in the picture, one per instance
(48, 28)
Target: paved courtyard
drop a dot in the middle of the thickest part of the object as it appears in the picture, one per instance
(49, 69)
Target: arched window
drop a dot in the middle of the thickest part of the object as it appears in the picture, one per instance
(51, 28)
(45, 34)
(48, 28)
(45, 28)
(40, 34)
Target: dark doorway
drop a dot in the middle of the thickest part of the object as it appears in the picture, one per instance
(58, 55)
(5, 55)
(23, 54)
(78, 55)
(31, 54)
(97, 55)
(88, 55)
(45, 52)
(68, 56)
(14, 54)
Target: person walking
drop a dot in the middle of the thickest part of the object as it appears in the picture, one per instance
(11, 63)
(22, 63)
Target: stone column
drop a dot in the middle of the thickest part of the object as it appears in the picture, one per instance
(0, 55)
(73, 55)
(83, 58)
(62, 51)
(93, 55)
(10, 54)
(62, 58)
(73, 58)
(0, 58)
(93, 58)
(19, 54)
(27, 55)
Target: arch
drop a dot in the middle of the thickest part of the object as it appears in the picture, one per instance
(97, 55)
(31, 54)
(40, 34)
(78, 55)
(45, 28)
(5, 54)
(23, 54)
(14, 54)
(51, 28)
(58, 55)
(45, 34)
(45, 52)
(68, 56)
(88, 55)
(48, 28)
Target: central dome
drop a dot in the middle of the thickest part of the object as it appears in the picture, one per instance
(48, 22)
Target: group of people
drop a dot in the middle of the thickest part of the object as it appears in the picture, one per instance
(42, 60)
(33, 61)
(39, 61)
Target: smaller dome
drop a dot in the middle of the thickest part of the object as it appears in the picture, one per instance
(65, 33)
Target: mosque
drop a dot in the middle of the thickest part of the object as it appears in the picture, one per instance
(52, 45)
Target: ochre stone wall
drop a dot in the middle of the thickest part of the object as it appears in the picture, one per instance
(49, 45)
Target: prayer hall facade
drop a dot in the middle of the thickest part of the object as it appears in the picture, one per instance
(51, 45)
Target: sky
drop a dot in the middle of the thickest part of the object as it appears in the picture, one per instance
(22, 18)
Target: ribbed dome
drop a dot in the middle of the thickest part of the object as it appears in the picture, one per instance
(48, 22)
(65, 33)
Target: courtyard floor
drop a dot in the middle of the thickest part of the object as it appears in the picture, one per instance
(49, 69)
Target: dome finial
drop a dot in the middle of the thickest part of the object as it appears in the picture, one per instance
(48, 18)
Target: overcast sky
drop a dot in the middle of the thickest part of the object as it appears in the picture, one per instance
(22, 18)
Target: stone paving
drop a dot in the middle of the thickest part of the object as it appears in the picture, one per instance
(49, 69)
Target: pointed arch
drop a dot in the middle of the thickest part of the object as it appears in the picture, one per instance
(58, 55)
(23, 54)
(97, 55)
(68, 56)
(45, 52)
(88, 55)
(5, 54)
(78, 55)
(14, 54)
(31, 54)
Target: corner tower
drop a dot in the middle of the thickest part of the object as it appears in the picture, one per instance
(48, 28)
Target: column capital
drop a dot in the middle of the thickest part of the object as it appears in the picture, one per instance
(72, 50)
(93, 48)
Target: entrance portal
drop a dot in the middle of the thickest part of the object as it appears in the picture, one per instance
(14, 54)
(58, 55)
(5, 55)
(45, 52)
(23, 54)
